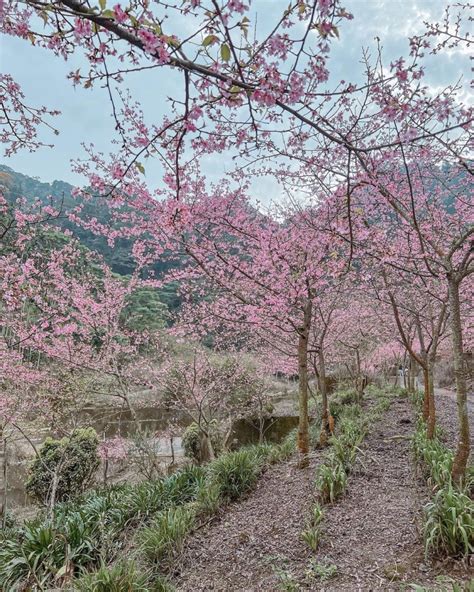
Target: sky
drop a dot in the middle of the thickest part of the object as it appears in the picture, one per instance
(85, 115)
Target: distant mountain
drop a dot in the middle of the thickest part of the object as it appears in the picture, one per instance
(118, 257)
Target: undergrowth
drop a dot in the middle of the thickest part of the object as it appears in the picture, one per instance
(85, 540)
(448, 518)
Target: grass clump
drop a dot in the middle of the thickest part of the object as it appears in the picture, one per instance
(449, 523)
(123, 576)
(208, 500)
(448, 528)
(235, 473)
(311, 535)
(331, 480)
(164, 537)
(435, 458)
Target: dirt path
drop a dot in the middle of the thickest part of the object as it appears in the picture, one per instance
(240, 550)
(372, 535)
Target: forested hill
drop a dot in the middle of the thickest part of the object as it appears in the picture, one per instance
(117, 257)
(19, 185)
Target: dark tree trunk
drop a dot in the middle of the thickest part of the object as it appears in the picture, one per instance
(303, 424)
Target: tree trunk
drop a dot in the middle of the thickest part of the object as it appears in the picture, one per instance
(52, 496)
(411, 375)
(431, 423)
(324, 434)
(207, 450)
(359, 379)
(462, 451)
(303, 424)
(426, 395)
(4, 507)
(105, 472)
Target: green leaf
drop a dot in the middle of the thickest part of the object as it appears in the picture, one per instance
(209, 40)
(108, 14)
(140, 167)
(225, 52)
(102, 4)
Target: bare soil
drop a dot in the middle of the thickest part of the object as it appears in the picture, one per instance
(372, 535)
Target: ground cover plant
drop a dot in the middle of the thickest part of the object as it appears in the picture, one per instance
(94, 531)
(449, 515)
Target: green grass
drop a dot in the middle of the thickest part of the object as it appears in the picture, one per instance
(331, 479)
(449, 523)
(448, 528)
(235, 473)
(123, 576)
(164, 537)
(311, 535)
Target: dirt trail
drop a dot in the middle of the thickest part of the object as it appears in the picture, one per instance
(372, 534)
(239, 551)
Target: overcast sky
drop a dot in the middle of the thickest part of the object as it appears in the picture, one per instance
(85, 114)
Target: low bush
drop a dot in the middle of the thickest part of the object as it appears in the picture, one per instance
(449, 523)
(70, 462)
(235, 473)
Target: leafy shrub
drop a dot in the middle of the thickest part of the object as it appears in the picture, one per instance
(449, 523)
(123, 576)
(72, 461)
(331, 479)
(164, 537)
(235, 473)
(193, 438)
